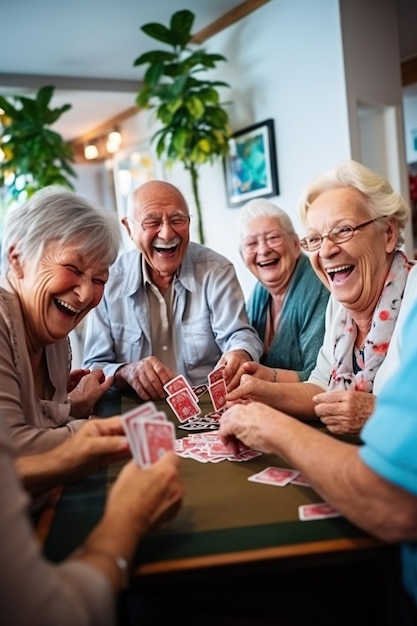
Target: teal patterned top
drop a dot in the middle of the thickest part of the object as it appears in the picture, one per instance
(301, 327)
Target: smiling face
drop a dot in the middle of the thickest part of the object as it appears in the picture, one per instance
(56, 292)
(269, 252)
(162, 247)
(355, 270)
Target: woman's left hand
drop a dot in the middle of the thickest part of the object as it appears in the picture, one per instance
(90, 388)
(344, 412)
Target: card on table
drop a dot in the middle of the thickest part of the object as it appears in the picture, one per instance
(199, 390)
(217, 391)
(279, 476)
(301, 481)
(183, 404)
(319, 510)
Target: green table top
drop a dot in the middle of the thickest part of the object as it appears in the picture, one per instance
(224, 519)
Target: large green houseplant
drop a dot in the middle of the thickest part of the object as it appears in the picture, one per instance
(34, 156)
(193, 124)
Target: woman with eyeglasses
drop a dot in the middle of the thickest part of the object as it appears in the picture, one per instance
(354, 223)
(287, 305)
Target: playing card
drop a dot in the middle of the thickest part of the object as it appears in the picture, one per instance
(216, 374)
(178, 383)
(142, 455)
(217, 391)
(148, 408)
(130, 420)
(320, 510)
(202, 422)
(199, 390)
(279, 476)
(183, 404)
(158, 437)
(300, 480)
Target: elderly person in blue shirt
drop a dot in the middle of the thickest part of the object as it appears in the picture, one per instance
(288, 304)
(170, 306)
(373, 485)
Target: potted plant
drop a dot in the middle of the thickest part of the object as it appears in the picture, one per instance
(193, 124)
(34, 156)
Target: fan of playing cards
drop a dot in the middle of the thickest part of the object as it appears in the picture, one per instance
(149, 433)
(183, 398)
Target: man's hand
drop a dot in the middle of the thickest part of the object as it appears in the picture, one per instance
(91, 386)
(146, 377)
(344, 412)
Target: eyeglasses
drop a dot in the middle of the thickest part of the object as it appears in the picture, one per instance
(340, 234)
(272, 241)
(155, 223)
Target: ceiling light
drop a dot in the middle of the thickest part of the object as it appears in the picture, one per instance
(114, 139)
(91, 151)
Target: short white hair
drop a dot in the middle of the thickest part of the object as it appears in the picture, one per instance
(58, 214)
(264, 208)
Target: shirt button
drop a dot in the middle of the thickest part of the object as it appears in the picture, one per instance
(164, 348)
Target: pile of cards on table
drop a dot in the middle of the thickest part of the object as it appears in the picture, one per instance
(183, 398)
(281, 476)
(149, 433)
(209, 448)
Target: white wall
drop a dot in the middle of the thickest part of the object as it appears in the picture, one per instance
(286, 61)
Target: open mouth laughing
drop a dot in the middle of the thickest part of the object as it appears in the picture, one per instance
(339, 274)
(66, 308)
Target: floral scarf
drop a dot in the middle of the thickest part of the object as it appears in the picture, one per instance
(378, 338)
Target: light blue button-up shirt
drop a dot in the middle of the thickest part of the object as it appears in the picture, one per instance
(209, 316)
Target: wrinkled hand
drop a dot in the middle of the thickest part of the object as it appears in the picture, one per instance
(147, 377)
(148, 496)
(344, 412)
(90, 388)
(96, 444)
(248, 425)
(234, 361)
(250, 389)
(74, 378)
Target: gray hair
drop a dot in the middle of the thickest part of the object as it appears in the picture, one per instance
(263, 208)
(55, 213)
(378, 195)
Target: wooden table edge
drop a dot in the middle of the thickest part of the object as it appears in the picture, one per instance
(278, 552)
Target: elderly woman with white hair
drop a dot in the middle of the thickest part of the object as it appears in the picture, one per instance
(56, 252)
(287, 306)
(355, 229)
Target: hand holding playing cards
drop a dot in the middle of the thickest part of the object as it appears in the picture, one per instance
(232, 362)
(139, 500)
(146, 377)
(148, 496)
(85, 389)
(252, 388)
(344, 412)
(96, 444)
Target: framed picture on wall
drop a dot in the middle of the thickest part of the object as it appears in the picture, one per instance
(250, 168)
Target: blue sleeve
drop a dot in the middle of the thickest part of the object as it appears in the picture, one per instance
(390, 435)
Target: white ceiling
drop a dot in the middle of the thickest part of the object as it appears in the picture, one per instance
(86, 48)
